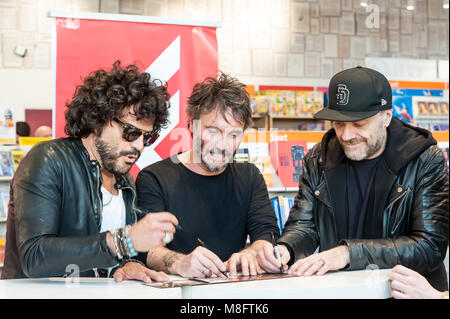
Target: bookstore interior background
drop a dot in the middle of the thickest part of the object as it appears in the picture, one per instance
(285, 51)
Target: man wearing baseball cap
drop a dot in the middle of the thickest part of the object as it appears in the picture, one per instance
(373, 193)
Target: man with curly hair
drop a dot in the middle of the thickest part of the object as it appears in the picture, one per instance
(72, 200)
(218, 202)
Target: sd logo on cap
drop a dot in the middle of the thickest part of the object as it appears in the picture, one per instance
(356, 94)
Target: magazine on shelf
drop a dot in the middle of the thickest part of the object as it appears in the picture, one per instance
(287, 157)
(17, 156)
(6, 164)
(258, 155)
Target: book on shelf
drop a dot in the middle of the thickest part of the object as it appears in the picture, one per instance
(288, 103)
(282, 206)
(6, 164)
(17, 156)
(258, 155)
(287, 157)
(4, 201)
(2, 249)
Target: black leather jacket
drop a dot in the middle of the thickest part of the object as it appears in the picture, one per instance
(55, 211)
(415, 216)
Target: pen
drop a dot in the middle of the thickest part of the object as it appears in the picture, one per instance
(201, 243)
(276, 252)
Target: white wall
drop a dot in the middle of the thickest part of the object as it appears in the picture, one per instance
(26, 89)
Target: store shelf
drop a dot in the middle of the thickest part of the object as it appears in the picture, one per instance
(5, 178)
(3, 220)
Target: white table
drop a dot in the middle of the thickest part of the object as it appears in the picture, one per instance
(100, 289)
(363, 284)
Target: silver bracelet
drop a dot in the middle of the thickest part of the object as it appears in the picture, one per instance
(116, 245)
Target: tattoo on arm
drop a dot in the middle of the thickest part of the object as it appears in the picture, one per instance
(168, 259)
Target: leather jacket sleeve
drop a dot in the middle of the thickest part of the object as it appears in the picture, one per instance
(300, 234)
(424, 247)
(37, 199)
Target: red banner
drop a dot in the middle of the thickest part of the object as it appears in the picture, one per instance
(181, 55)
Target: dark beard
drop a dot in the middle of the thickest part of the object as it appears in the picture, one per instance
(109, 158)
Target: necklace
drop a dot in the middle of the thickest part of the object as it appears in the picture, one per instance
(112, 194)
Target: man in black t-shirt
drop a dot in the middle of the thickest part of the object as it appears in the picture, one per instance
(214, 199)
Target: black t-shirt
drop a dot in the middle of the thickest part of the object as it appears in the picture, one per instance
(360, 177)
(221, 210)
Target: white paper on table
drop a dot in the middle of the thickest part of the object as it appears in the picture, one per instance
(295, 65)
(331, 46)
(300, 20)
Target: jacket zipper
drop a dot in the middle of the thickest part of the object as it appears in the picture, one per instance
(386, 224)
(133, 206)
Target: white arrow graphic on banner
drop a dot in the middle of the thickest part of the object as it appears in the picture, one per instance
(163, 68)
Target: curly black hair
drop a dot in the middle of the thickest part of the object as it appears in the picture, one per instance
(224, 93)
(104, 95)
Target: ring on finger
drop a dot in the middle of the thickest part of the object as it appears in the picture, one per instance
(321, 262)
(167, 239)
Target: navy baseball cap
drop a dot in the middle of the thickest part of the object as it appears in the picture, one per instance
(356, 94)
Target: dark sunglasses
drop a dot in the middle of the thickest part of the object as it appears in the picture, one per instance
(131, 133)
